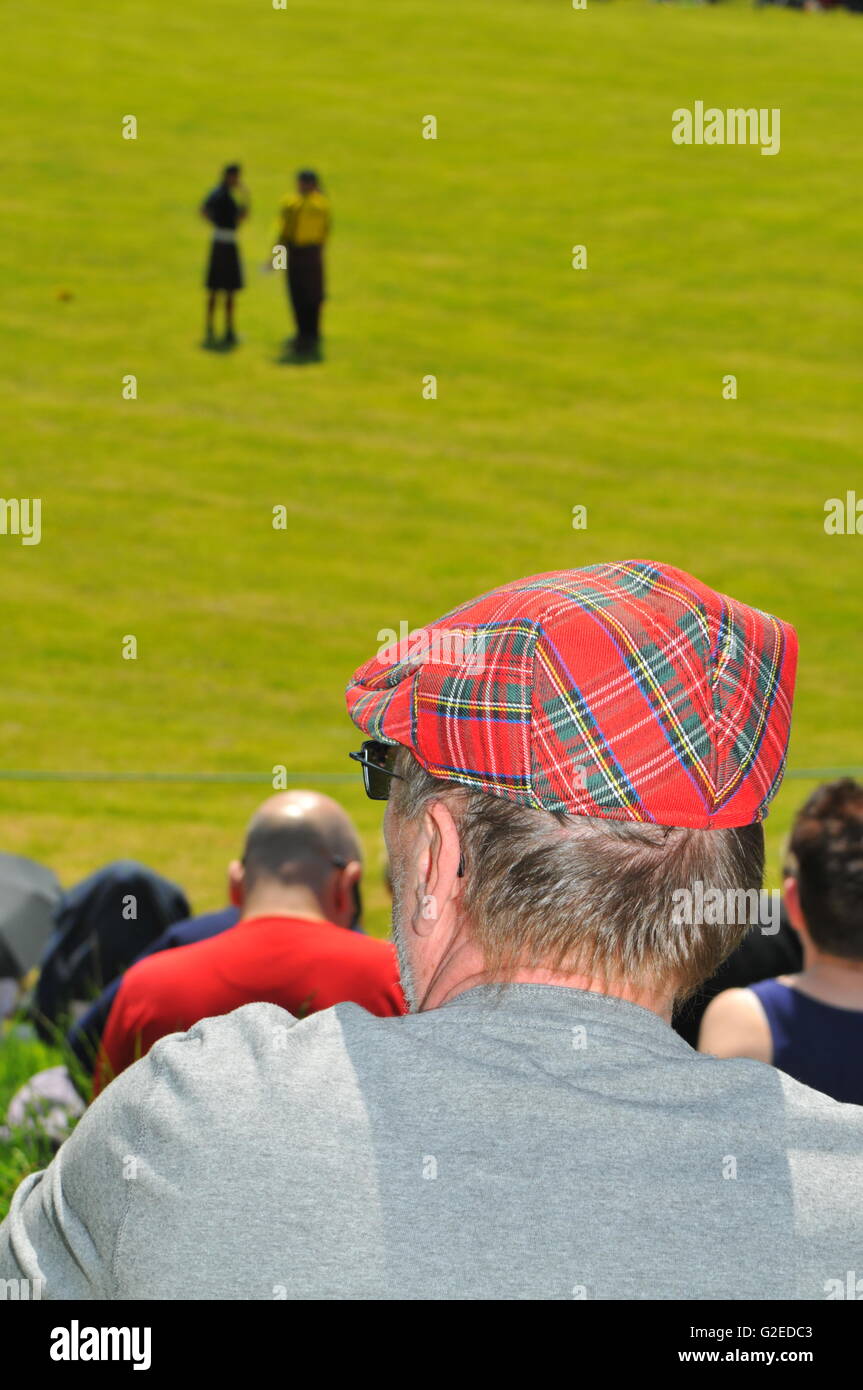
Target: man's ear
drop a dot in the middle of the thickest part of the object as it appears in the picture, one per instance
(236, 883)
(346, 901)
(439, 867)
(791, 898)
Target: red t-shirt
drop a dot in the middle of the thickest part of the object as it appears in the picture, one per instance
(302, 965)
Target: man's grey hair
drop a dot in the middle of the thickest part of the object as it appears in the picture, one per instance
(586, 895)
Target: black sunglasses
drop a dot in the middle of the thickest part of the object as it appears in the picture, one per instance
(376, 760)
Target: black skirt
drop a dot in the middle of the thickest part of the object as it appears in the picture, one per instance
(225, 271)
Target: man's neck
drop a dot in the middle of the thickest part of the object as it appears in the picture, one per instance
(661, 1004)
(308, 912)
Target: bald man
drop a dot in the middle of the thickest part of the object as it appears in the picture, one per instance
(297, 889)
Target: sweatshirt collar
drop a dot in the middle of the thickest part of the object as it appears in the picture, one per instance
(553, 1004)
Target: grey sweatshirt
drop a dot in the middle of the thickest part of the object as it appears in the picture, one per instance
(543, 1143)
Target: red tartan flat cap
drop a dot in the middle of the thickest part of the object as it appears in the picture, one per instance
(629, 691)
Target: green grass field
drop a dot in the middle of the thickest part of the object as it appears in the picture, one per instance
(452, 257)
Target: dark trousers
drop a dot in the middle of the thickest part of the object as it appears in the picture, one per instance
(306, 291)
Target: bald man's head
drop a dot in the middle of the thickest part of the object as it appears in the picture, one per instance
(301, 846)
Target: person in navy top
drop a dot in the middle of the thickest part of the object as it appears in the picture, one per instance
(758, 957)
(84, 1036)
(810, 1023)
(225, 208)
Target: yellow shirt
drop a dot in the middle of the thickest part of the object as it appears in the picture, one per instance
(304, 219)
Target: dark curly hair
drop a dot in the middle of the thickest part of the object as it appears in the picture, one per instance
(827, 849)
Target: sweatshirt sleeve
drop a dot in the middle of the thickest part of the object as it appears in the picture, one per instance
(65, 1222)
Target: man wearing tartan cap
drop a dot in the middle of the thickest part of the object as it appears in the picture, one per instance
(584, 723)
(561, 759)
(674, 699)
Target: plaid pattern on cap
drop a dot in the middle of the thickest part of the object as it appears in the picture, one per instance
(629, 691)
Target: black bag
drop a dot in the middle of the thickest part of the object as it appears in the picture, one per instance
(102, 924)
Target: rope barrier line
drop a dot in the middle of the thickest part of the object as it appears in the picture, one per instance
(816, 773)
(802, 774)
(190, 777)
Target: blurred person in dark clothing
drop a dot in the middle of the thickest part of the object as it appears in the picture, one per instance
(85, 1034)
(102, 924)
(225, 207)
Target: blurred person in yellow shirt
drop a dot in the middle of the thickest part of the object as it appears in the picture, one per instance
(303, 228)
